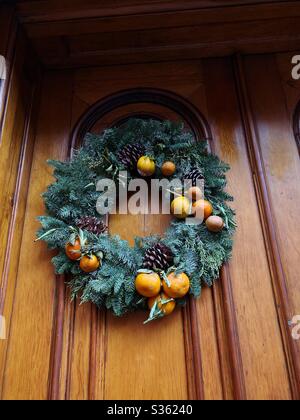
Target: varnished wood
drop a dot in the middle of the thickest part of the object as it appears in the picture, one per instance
(169, 44)
(252, 294)
(238, 378)
(228, 310)
(264, 191)
(16, 150)
(24, 370)
(291, 88)
(192, 325)
(66, 27)
(296, 121)
(184, 109)
(78, 34)
(57, 340)
(70, 9)
(8, 25)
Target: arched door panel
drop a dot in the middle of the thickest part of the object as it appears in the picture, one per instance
(161, 360)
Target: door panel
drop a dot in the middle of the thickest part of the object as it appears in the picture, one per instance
(28, 354)
(233, 342)
(279, 151)
(259, 334)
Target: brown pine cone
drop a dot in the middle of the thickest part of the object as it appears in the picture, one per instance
(130, 155)
(158, 257)
(92, 225)
(194, 175)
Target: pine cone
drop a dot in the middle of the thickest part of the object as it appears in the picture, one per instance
(158, 257)
(130, 155)
(92, 225)
(194, 175)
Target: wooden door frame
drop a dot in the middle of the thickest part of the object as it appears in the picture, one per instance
(296, 125)
(180, 105)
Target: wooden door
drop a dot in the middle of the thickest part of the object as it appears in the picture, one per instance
(235, 342)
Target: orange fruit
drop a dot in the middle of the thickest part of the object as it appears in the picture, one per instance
(148, 285)
(179, 285)
(73, 252)
(202, 208)
(195, 193)
(168, 168)
(181, 207)
(166, 308)
(215, 223)
(88, 264)
(146, 166)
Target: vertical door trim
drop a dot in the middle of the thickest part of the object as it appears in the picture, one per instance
(296, 126)
(263, 196)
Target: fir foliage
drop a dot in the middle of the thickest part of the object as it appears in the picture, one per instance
(198, 252)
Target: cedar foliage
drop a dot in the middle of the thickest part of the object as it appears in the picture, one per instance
(198, 252)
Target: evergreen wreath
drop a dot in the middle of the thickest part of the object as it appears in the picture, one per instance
(105, 269)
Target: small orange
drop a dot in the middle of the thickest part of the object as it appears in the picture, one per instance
(179, 285)
(195, 193)
(181, 207)
(202, 208)
(73, 251)
(146, 166)
(148, 285)
(166, 308)
(168, 168)
(88, 264)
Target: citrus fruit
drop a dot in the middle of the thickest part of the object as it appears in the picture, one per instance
(148, 285)
(166, 308)
(88, 264)
(73, 252)
(181, 207)
(179, 285)
(202, 209)
(146, 166)
(168, 168)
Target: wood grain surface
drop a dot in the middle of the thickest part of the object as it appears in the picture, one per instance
(75, 33)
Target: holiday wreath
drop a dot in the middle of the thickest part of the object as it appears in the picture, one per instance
(158, 272)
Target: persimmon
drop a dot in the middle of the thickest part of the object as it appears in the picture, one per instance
(215, 224)
(89, 263)
(146, 166)
(73, 251)
(168, 168)
(179, 285)
(202, 207)
(181, 207)
(166, 308)
(148, 284)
